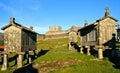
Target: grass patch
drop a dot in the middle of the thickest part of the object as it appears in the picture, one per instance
(88, 67)
(52, 43)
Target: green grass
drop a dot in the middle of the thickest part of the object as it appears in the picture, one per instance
(86, 66)
(89, 67)
(54, 43)
(58, 49)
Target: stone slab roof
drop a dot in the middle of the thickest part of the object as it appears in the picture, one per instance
(88, 26)
(13, 23)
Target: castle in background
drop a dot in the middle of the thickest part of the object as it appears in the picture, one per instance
(57, 32)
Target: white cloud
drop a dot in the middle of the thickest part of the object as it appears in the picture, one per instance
(19, 8)
(7, 8)
(22, 11)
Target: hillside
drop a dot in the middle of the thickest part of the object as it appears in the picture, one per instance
(56, 58)
(1, 38)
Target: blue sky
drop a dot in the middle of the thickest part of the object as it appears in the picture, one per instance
(65, 13)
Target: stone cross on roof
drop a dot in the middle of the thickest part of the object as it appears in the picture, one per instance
(107, 9)
(107, 12)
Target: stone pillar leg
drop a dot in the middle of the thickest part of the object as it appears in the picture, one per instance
(81, 50)
(29, 58)
(100, 53)
(35, 55)
(0, 57)
(88, 50)
(5, 62)
(70, 47)
(19, 61)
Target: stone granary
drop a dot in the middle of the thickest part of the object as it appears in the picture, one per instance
(73, 38)
(100, 34)
(17, 39)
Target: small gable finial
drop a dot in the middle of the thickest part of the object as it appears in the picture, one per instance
(31, 27)
(12, 20)
(86, 23)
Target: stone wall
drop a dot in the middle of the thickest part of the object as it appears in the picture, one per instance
(55, 35)
(40, 36)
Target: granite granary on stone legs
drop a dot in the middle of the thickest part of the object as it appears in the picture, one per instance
(99, 35)
(17, 39)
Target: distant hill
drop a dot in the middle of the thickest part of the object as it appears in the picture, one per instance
(1, 38)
